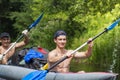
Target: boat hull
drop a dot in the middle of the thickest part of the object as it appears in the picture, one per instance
(17, 73)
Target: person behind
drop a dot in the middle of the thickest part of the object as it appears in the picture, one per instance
(60, 38)
(6, 43)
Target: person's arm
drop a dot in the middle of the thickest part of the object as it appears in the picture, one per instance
(25, 41)
(85, 54)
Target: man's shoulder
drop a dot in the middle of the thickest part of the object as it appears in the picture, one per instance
(0, 47)
(52, 51)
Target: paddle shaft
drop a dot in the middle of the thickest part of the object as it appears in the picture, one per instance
(61, 60)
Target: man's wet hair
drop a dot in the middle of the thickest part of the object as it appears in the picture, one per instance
(58, 33)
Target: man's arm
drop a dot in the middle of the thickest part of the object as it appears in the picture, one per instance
(85, 54)
(25, 41)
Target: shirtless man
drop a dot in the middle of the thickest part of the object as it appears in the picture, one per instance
(60, 51)
(6, 43)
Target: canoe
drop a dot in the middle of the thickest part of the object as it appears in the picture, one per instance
(10, 72)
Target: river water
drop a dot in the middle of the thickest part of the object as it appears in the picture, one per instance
(94, 68)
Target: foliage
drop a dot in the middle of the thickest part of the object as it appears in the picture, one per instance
(104, 46)
(12, 16)
(81, 19)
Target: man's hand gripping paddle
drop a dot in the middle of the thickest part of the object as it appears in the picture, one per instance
(40, 75)
(29, 28)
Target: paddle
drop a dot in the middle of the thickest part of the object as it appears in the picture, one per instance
(29, 28)
(40, 75)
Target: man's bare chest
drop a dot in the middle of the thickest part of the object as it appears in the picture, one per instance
(65, 63)
(6, 52)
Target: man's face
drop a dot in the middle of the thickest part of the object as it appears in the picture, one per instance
(5, 41)
(60, 41)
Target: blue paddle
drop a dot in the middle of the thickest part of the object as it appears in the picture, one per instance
(40, 75)
(29, 28)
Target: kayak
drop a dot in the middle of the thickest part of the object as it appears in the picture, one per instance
(10, 72)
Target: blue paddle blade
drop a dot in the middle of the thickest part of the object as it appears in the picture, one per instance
(36, 22)
(36, 75)
(113, 24)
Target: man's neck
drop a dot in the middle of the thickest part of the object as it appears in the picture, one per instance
(60, 50)
(5, 47)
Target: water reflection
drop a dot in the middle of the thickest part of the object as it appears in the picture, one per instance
(75, 67)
